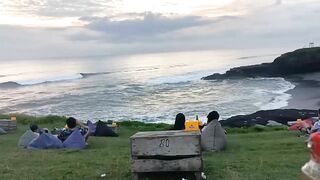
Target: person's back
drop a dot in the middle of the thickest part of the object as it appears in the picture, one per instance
(28, 136)
(179, 123)
(213, 137)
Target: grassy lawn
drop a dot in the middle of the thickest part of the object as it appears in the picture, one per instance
(274, 154)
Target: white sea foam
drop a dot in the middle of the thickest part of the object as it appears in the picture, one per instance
(279, 96)
(277, 102)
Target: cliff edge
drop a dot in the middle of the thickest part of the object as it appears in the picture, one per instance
(300, 61)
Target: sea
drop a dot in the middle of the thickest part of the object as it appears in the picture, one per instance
(144, 87)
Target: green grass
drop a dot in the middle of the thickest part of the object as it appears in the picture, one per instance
(270, 153)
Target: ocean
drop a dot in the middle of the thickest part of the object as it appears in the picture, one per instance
(149, 88)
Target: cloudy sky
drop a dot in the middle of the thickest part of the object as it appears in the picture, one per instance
(99, 28)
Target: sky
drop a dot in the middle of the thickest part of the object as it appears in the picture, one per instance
(44, 29)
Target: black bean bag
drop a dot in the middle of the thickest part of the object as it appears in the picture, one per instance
(104, 130)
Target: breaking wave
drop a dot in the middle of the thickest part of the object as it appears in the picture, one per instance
(12, 84)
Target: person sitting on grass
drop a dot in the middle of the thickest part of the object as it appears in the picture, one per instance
(213, 137)
(316, 126)
(28, 136)
(179, 122)
(34, 128)
(74, 124)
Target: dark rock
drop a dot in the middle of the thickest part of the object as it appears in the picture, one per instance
(300, 61)
(262, 117)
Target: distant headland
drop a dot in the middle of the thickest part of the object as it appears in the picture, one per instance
(300, 61)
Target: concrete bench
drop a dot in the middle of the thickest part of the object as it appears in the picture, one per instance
(166, 151)
(8, 125)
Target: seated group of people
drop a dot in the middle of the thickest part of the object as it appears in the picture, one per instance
(74, 135)
(213, 136)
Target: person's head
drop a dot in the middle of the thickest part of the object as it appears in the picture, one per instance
(213, 115)
(45, 130)
(179, 123)
(71, 122)
(33, 127)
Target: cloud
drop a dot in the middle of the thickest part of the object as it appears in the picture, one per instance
(74, 8)
(278, 2)
(18, 42)
(149, 26)
(285, 26)
(57, 8)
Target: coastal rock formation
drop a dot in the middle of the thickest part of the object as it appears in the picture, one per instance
(262, 117)
(300, 61)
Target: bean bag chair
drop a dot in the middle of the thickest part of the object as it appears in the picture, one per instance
(75, 140)
(45, 141)
(2, 131)
(92, 127)
(299, 124)
(213, 137)
(104, 130)
(26, 138)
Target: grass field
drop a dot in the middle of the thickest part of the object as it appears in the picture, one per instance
(252, 154)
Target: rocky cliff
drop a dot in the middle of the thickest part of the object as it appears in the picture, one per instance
(300, 61)
(262, 117)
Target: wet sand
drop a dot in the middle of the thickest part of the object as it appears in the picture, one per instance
(306, 94)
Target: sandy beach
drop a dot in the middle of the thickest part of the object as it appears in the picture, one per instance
(306, 94)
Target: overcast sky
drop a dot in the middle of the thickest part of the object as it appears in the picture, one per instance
(89, 28)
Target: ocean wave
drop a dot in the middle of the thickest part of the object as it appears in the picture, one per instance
(94, 74)
(175, 79)
(275, 103)
(9, 84)
(266, 78)
(284, 85)
(13, 84)
(50, 80)
(156, 68)
(280, 98)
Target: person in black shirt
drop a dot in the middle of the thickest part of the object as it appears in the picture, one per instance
(72, 124)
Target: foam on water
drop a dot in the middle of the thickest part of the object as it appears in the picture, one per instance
(279, 97)
(156, 100)
(277, 102)
(149, 92)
